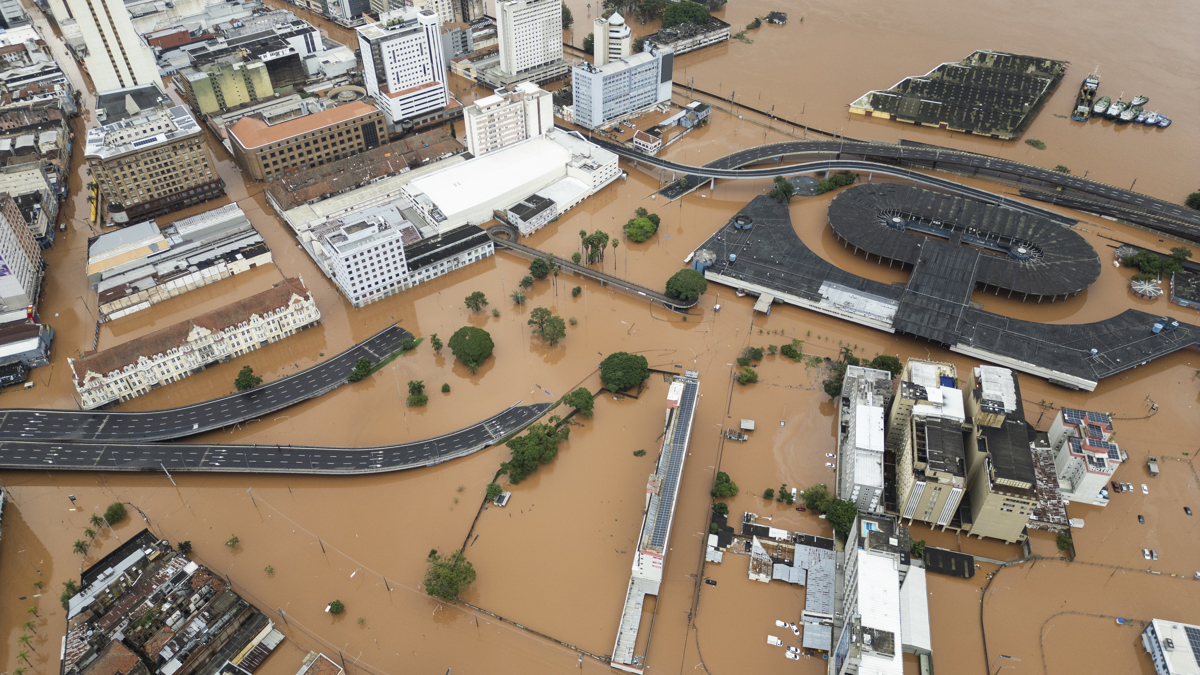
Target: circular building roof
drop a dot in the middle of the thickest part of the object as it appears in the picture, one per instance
(1018, 252)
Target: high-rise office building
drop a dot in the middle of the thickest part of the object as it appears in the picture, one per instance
(862, 407)
(530, 34)
(621, 87)
(403, 66)
(510, 116)
(20, 259)
(445, 9)
(612, 39)
(117, 57)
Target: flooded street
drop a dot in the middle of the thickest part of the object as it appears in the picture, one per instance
(557, 558)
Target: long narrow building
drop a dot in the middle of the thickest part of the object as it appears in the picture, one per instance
(661, 494)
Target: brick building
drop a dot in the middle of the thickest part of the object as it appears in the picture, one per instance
(266, 151)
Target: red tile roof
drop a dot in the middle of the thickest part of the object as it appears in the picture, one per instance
(251, 132)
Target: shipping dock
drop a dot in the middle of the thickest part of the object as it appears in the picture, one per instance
(988, 93)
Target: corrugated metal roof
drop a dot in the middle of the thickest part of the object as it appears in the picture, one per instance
(914, 611)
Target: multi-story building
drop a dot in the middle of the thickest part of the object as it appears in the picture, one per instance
(1173, 647)
(117, 57)
(403, 66)
(1084, 456)
(865, 396)
(32, 188)
(266, 150)
(445, 9)
(621, 87)
(532, 213)
(135, 367)
(152, 161)
(456, 41)
(1001, 478)
(688, 37)
(926, 433)
(884, 611)
(140, 265)
(530, 40)
(649, 143)
(612, 39)
(20, 260)
(510, 116)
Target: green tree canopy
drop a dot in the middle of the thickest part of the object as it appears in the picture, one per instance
(246, 379)
(783, 190)
(816, 498)
(436, 343)
(721, 508)
(539, 268)
(115, 513)
(888, 363)
(472, 346)
(554, 330)
(538, 446)
(589, 43)
(724, 487)
(476, 301)
(581, 400)
(566, 16)
(538, 317)
(684, 12)
(621, 370)
(917, 549)
(640, 229)
(336, 607)
(493, 491)
(362, 368)
(769, 493)
(748, 375)
(686, 284)
(1193, 201)
(841, 513)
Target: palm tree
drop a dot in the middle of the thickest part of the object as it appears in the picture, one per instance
(614, 245)
(91, 534)
(81, 547)
(24, 641)
(24, 656)
(18, 671)
(97, 520)
(32, 610)
(30, 626)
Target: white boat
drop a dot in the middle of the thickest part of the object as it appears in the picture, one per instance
(1151, 120)
(792, 655)
(772, 640)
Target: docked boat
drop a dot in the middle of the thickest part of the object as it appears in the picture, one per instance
(1140, 100)
(1114, 111)
(1151, 119)
(1141, 117)
(1101, 106)
(1129, 114)
(1083, 100)
(1163, 122)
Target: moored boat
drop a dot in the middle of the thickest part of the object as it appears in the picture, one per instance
(1140, 100)
(1115, 109)
(1151, 119)
(1101, 106)
(1083, 101)
(1141, 117)
(1163, 122)
(1129, 114)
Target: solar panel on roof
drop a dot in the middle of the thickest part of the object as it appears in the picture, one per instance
(1072, 416)
(1114, 454)
(1100, 418)
(1193, 636)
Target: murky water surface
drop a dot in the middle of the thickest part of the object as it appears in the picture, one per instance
(557, 558)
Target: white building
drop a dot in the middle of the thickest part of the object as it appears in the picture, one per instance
(1084, 457)
(530, 39)
(135, 367)
(117, 57)
(20, 260)
(403, 66)
(559, 165)
(865, 396)
(612, 39)
(647, 143)
(618, 88)
(443, 8)
(532, 213)
(509, 116)
(1174, 647)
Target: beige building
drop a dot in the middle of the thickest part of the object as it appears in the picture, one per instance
(612, 39)
(135, 367)
(928, 438)
(150, 161)
(20, 260)
(267, 150)
(510, 116)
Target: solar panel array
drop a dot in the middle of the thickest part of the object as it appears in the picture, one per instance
(1098, 418)
(677, 450)
(1193, 636)
(1072, 416)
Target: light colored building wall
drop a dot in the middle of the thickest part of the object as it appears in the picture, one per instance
(404, 68)
(529, 33)
(612, 39)
(508, 117)
(20, 260)
(117, 56)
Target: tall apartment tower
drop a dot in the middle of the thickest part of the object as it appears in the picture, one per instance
(530, 34)
(470, 10)
(929, 441)
(446, 10)
(403, 66)
(117, 57)
(510, 116)
(20, 259)
(613, 39)
(1085, 456)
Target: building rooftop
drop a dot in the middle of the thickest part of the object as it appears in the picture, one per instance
(943, 447)
(161, 341)
(1183, 652)
(252, 132)
(1008, 446)
(530, 206)
(143, 131)
(117, 105)
(879, 608)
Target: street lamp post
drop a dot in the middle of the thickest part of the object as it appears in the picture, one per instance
(1007, 665)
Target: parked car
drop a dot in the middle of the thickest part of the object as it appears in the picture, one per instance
(801, 508)
(1145, 490)
(1146, 553)
(829, 464)
(1153, 554)
(1141, 519)
(1116, 486)
(1187, 510)
(830, 454)
(1127, 487)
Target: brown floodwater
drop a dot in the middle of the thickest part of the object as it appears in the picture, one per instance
(557, 559)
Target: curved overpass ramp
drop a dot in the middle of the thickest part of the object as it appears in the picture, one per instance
(159, 425)
(260, 459)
